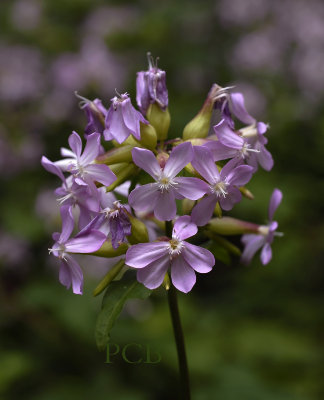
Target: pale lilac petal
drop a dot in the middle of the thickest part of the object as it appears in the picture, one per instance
(84, 217)
(191, 188)
(262, 128)
(91, 150)
(144, 198)
(200, 259)
(165, 208)
(203, 163)
(101, 173)
(52, 168)
(66, 165)
(67, 153)
(227, 136)
(239, 110)
(252, 244)
(182, 275)
(203, 211)
(115, 125)
(184, 227)
(146, 160)
(75, 144)
(152, 276)
(179, 158)
(86, 243)
(273, 226)
(67, 223)
(240, 175)
(233, 196)
(142, 254)
(266, 254)
(265, 158)
(132, 119)
(71, 273)
(219, 151)
(275, 200)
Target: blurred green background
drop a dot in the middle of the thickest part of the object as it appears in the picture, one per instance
(252, 332)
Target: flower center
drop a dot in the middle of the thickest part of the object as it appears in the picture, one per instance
(244, 152)
(175, 247)
(164, 183)
(112, 212)
(58, 250)
(220, 189)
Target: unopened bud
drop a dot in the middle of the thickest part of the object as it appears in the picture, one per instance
(162, 158)
(139, 231)
(160, 120)
(231, 226)
(246, 193)
(117, 155)
(199, 126)
(148, 136)
(107, 250)
(187, 206)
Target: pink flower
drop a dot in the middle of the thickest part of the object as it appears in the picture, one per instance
(154, 259)
(160, 196)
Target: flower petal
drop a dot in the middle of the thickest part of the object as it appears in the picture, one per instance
(75, 144)
(203, 211)
(144, 198)
(203, 162)
(146, 160)
(101, 173)
(275, 200)
(233, 196)
(87, 242)
(179, 158)
(252, 244)
(266, 254)
(200, 259)
(142, 254)
(182, 275)
(219, 151)
(71, 273)
(184, 227)
(265, 158)
(165, 208)
(67, 223)
(115, 125)
(227, 136)
(239, 110)
(91, 150)
(52, 168)
(191, 188)
(152, 276)
(240, 175)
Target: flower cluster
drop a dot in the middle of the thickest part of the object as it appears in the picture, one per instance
(133, 192)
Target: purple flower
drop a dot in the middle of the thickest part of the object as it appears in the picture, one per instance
(222, 185)
(113, 219)
(151, 87)
(122, 120)
(154, 259)
(253, 242)
(86, 241)
(160, 196)
(229, 144)
(95, 113)
(82, 166)
(72, 194)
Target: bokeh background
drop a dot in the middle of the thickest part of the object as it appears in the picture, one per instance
(252, 332)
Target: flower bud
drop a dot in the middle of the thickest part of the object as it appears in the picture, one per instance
(107, 250)
(187, 206)
(246, 193)
(231, 226)
(117, 155)
(160, 120)
(139, 231)
(148, 137)
(199, 126)
(162, 158)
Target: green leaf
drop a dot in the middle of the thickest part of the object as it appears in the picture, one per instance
(113, 301)
(219, 252)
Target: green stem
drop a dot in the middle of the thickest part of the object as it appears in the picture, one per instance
(178, 335)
